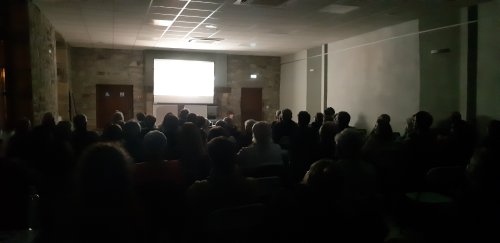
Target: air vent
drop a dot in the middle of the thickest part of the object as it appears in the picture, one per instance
(204, 40)
(268, 3)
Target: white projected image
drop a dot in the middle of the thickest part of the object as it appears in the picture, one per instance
(183, 81)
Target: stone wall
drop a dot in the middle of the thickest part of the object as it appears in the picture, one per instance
(43, 64)
(63, 78)
(268, 71)
(104, 66)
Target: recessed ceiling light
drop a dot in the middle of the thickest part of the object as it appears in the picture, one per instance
(253, 76)
(211, 26)
(162, 22)
(338, 9)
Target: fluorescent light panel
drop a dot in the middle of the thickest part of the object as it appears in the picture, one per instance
(162, 22)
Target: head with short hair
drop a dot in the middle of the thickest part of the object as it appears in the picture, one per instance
(201, 122)
(217, 131)
(117, 117)
(277, 115)
(317, 175)
(248, 125)
(455, 116)
(342, 119)
(140, 116)
(286, 115)
(112, 133)
(261, 132)
(304, 118)
(191, 117)
(183, 114)
(222, 153)
(131, 130)
(104, 175)
(349, 143)
(80, 122)
(319, 117)
(48, 120)
(384, 118)
(154, 143)
(229, 122)
(423, 121)
(150, 121)
(329, 113)
(221, 123)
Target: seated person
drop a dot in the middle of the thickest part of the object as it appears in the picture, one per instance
(225, 187)
(262, 152)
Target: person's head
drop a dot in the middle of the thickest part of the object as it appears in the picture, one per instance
(190, 140)
(222, 153)
(230, 114)
(48, 120)
(131, 130)
(383, 130)
(216, 131)
(104, 176)
(112, 133)
(261, 132)
(140, 116)
(349, 143)
(286, 115)
(455, 116)
(155, 144)
(248, 125)
(117, 118)
(183, 114)
(319, 117)
(229, 122)
(170, 122)
(150, 121)
(384, 118)
(277, 115)
(422, 121)
(201, 122)
(342, 119)
(191, 117)
(329, 113)
(80, 122)
(304, 118)
(221, 123)
(317, 176)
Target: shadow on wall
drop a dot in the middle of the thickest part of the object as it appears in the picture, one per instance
(361, 122)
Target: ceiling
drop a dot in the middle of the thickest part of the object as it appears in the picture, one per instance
(258, 27)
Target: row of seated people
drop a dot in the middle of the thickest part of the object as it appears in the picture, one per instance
(194, 185)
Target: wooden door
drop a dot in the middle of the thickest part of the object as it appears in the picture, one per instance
(251, 104)
(109, 99)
